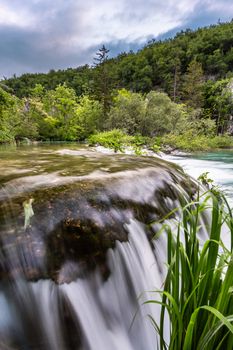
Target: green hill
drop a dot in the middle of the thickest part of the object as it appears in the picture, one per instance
(155, 66)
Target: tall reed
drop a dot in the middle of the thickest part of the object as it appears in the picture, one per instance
(198, 290)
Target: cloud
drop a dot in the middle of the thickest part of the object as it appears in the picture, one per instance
(37, 35)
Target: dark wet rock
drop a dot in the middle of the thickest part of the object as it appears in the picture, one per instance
(76, 222)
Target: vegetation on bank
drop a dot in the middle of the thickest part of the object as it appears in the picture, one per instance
(118, 140)
(197, 293)
(188, 142)
(178, 93)
(151, 120)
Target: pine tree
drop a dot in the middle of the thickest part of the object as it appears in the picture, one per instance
(102, 56)
(102, 81)
(193, 85)
(176, 79)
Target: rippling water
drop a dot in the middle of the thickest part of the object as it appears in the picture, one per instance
(218, 164)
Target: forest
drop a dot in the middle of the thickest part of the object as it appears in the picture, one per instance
(177, 92)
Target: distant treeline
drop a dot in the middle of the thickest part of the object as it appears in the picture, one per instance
(187, 79)
(159, 65)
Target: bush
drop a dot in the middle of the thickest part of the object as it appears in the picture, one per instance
(186, 142)
(115, 139)
(127, 112)
(161, 115)
(192, 143)
(223, 141)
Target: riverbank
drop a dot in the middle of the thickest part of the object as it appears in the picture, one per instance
(218, 162)
(118, 141)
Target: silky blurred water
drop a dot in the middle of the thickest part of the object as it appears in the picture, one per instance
(77, 275)
(218, 164)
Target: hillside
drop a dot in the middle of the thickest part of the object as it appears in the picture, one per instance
(180, 89)
(156, 66)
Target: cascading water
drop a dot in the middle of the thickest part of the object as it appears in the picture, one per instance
(76, 273)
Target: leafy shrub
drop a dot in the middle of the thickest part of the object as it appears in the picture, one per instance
(192, 143)
(186, 142)
(115, 139)
(223, 141)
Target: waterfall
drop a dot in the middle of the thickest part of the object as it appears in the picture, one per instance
(78, 274)
(106, 314)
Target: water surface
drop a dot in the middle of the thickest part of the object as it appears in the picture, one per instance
(75, 274)
(219, 164)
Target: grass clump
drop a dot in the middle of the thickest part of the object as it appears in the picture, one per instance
(198, 289)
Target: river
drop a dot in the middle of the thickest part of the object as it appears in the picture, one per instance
(219, 165)
(76, 249)
(78, 245)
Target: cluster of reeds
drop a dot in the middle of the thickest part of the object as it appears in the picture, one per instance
(197, 294)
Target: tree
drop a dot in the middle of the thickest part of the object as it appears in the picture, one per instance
(89, 116)
(141, 78)
(9, 116)
(176, 79)
(154, 115)
(61, 107)
(102, 86)
(219, 102)
(102, 56)
(127, 111)
(193, 85)
(29, 116)
(162, 115)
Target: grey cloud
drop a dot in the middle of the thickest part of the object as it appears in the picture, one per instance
(67, 33)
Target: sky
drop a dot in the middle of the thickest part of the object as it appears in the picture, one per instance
(39, 35)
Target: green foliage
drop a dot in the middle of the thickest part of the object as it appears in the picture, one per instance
(219, 101)
(38, 91)
(115, 139)
(205, 180)
(194, 68)
(127, 112)
(60, 115)
(89, 115)
(186, 142)
(193, 85)
(118, 140)
(190, 142)
(196, 127)
(162, 115)
(153, 115)
(61, 105)
(222, 141)
(9, 118)
(197, 293)
(160, 64)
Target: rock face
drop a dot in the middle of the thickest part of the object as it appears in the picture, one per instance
(77, 218)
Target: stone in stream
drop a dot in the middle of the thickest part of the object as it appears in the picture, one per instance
(76, 220)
